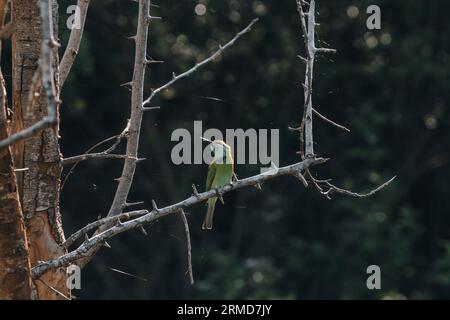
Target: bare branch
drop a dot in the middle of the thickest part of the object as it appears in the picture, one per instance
(73, 45)
(187, 73)
(306, 127)
(89, 156)
(118, 138)
(330, 121)
(307, 113)
(85, 248)
(333, 188)
(188, 245)
(54, 289)
(134, 124)
(93, 225)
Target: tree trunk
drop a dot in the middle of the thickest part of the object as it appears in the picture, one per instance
(39, 184)
(15, 275)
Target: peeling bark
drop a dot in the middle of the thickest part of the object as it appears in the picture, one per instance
(15, 268)
(39, 185)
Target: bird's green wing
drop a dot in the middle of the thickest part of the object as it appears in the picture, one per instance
(210, 176)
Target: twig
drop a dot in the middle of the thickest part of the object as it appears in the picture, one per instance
(333, 188)
(54, 290)
(330, 121)
(85, 248)
(188, 245)
(89, 156)
(73, 45)
(129, 274)
(198, 65)
(93, 225)
(118, 138)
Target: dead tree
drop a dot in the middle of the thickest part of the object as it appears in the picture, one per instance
(31, 162)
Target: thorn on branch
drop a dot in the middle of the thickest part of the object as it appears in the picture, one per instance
(131, 204)
(304, 60)
(52, 43)
(154, 206)
(257, 186)
(143, 231)
(327, 193)
(326, 50)
(151, 61)
(300, 177)
(145, 109)
(106, 245)
(127, 84)
(194, 190)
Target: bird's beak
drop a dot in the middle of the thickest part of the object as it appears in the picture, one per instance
(204, 139)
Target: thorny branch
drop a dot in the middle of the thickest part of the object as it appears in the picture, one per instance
(73, 45)
(88, 156)
(157, 213)
(93, 225)
(44, 74)
(308, 25)
(118, 139)
(308, 29)
(113, 224)
(198, 65)
(138, 107)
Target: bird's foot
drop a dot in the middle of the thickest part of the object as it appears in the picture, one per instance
(219, 195)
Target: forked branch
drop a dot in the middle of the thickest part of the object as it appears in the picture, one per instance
(157, 213)
(308, 25)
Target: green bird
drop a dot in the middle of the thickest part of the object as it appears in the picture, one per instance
(220, 173)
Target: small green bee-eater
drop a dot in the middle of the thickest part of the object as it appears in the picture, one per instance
(220, 173)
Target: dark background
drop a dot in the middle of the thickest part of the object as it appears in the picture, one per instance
(390, 86)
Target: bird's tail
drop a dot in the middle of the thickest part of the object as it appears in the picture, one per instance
(208, 221)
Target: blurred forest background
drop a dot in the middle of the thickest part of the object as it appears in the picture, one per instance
(391, 87)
